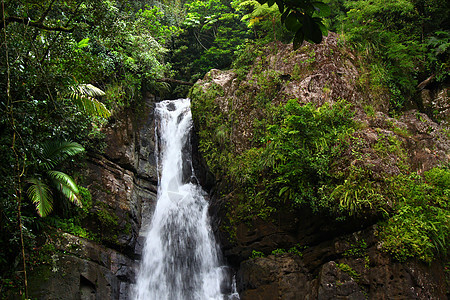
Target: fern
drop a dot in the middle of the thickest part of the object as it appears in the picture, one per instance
(53, 153)
(83, 96)
(41, 196)
(56, 151)
(260, 11)
(66, 185)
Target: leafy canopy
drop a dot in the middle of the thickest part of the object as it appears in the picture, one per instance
(304, 18)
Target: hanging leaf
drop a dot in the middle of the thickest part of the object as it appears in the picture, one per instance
(40, 195)
(322, 27)
(66, 185)
(83, 96)
(292, 23)
(298, 39)
(285, 14)
(311, 30)
(55, 151)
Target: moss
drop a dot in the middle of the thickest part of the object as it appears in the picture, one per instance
(106, 218)
(349, 270)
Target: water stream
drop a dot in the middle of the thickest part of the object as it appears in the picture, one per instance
(181, 259)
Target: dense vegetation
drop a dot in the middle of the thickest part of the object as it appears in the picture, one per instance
(67, 65)
(296, 156)
(302, 156)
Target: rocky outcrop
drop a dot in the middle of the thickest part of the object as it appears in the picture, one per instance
(81, 269)
(341, 260)
(333, 270)
(435, 100)
(122, 181)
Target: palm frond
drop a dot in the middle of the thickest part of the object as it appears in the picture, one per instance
(66, 185)
(83, 96)
(40, 194)
(55, 151)
(88, 90)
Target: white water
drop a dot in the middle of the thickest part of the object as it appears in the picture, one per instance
(180, 259)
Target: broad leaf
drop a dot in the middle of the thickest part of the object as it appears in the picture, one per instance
(292, 23)
(311, 30)
(66, 185)
(323, 28)
(285, 14)
(298, 39)
(321, 9)
(40, 195)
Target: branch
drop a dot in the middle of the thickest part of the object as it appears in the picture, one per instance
(424, 83)
(170, 80)
(38, 24)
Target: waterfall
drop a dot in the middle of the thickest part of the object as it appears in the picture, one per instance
(180, 257)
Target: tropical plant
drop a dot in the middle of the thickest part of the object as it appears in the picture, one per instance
(304, 18)
(83, 96)
(53, 153)
(264, 20)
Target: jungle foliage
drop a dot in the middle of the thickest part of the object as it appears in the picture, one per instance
(67, 66)
(302, 156)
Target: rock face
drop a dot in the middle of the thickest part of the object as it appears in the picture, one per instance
(123, 183)
(339, 260)
(327, 271)
(81, 269)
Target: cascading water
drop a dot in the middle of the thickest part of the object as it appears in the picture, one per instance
(180, 259)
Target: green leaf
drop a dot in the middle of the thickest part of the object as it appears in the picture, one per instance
(55, 151)
(66, 185)
(83, 97)
(323, 28)
(285, 14)
(283, 190)
(312, 30)
(321, 9)
(298, 39)
(83, 43)
(292, 23)
(40, 194)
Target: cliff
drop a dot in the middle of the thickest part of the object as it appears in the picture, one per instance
(122, 181)
(311, 194)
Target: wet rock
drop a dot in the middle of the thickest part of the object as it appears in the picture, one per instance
(123, 183)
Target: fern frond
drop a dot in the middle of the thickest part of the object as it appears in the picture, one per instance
(88, 90)
(40, 195)
(66, 185)
(83, 96)
(55, 151)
